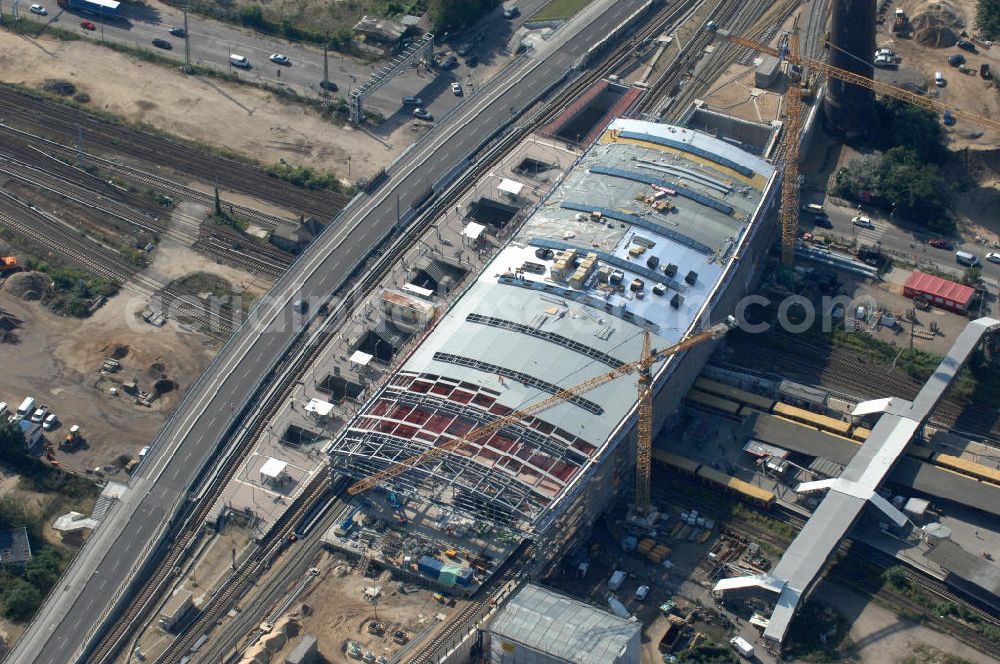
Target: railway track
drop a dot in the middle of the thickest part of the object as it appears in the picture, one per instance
(249, 571)
(860, 550)
(235, 247)
(832, 368)
(65, 124)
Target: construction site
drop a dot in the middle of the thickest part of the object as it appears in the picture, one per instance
(579, 418)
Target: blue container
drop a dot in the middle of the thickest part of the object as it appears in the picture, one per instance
(430, 566)
(464, 577)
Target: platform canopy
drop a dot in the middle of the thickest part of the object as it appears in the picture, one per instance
(362, 358)
(512, 187)
(320, 407)
(473, 230)
(273, 469)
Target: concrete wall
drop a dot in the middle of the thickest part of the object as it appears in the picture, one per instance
(848, 108)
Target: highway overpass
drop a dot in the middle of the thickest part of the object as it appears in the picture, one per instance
(94, 586)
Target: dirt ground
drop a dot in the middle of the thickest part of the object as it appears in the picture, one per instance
(257, 124)
(58, 359)
(339, 613)
(968, 92)
(881, 636)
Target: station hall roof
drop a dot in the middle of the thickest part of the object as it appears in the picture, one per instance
(642, 198)
(565, 628)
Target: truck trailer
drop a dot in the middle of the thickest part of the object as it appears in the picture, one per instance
(101, 8)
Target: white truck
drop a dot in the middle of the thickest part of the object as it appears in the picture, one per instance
(26, 408)
(742, 646)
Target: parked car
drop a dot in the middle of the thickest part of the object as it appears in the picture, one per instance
(511, 12)
(162, 43)
(279, 59)
(456, 88)
(472, 60)
(178, 32)
(822, 221)
(422, 114)
(39, 415)
(329, 86)
(862, 221)
(993, 257)
(50, 422)
(956, 60)
(87, 25)
(449, 63)
(413, 101)
(966, 45)
(38, 9)
(941, 243)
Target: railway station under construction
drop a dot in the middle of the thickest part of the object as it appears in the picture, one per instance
(792, 579)
(654, 228)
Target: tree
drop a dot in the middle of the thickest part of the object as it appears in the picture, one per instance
(908, 126)
(20, 600)
(972, 276)
(44, 569)
(447, 14)
(988, 18)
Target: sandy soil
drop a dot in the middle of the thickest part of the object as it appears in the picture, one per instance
(257, 124)
(968, 92)
(882, 636)
(340, 614)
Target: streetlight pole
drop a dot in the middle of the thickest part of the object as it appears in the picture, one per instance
(187, 42)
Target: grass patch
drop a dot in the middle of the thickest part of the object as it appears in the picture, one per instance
(559, 10)
(925, 654)
(30, 28)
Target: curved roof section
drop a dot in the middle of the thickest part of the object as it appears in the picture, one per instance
(557, 306)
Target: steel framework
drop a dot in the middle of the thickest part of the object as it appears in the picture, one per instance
(421, 49)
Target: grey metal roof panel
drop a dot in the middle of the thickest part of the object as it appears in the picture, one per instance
(972, 568)
(959, 352)
(820, 536)
(564, 627)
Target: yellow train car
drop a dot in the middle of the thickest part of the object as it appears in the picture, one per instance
(745, 490)
(711, 401)
(733, 393)
(821, 422)
(861, 434)
(683, 464)
(969, 468)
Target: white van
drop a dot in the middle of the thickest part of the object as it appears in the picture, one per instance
(742, 646)
(26, 408)
(939, 79)
(814, 208)
(239, 61)
(965, 258)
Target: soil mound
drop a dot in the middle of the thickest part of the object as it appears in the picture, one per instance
(27, 285)
(937, 24)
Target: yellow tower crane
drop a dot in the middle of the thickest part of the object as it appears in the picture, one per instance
(790, 183)
(645, 423)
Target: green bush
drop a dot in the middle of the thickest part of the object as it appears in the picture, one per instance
(899, 181)
(988, 18)
(20, 600)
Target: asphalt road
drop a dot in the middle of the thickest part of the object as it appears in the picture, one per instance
(58, 634)
(905, 240)
(212, 41)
